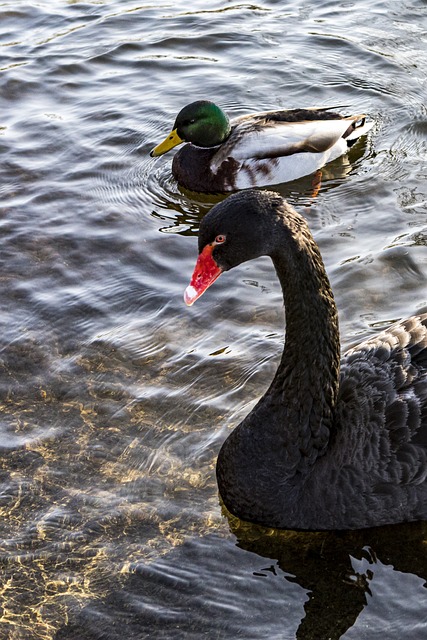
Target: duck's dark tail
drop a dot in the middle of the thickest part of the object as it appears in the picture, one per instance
(357, 128)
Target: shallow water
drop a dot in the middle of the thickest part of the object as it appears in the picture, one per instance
(116, 397)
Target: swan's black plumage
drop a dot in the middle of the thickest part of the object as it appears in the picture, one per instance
(332, 444)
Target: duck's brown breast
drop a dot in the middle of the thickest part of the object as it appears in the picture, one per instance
(191, 168)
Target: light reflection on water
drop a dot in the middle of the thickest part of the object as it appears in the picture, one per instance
(115, 398)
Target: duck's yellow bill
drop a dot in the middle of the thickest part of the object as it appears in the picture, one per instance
(171, 141)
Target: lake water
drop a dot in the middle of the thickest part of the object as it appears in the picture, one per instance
(115, 397)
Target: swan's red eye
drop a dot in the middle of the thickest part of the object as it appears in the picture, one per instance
(219, 239)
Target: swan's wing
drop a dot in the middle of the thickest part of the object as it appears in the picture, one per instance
(266, 136)
(384, 382)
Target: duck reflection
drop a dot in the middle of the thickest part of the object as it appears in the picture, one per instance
(183, 210)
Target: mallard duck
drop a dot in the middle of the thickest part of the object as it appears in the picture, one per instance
(334, 443)
(259, 149)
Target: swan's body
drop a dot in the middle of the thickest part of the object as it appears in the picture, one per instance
(258, 149)
(332, 444)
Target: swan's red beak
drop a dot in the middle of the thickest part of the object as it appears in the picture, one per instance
(205, 273)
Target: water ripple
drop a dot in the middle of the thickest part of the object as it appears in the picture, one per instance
(115, 397)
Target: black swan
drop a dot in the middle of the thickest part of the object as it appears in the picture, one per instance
(332, 444)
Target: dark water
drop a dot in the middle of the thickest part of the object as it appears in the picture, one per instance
(115, 398)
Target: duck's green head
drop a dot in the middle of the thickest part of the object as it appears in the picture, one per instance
(203, 123)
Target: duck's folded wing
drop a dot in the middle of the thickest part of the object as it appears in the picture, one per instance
(257, 140)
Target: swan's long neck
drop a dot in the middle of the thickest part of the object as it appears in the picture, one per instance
(308, 375)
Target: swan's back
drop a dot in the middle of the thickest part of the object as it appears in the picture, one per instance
(382, 412)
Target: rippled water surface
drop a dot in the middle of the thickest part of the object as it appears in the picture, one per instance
(115, 397)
